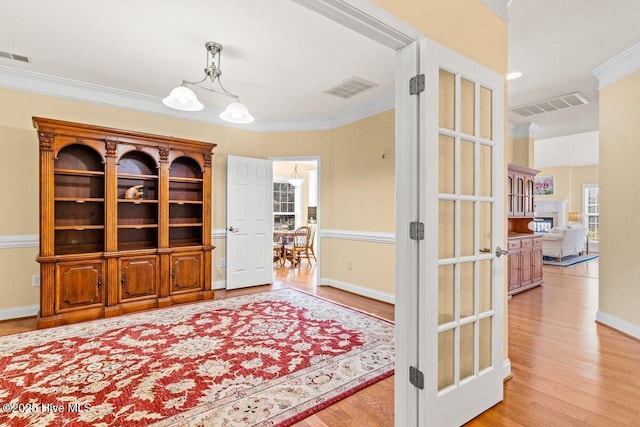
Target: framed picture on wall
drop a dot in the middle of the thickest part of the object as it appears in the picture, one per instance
(544, 186)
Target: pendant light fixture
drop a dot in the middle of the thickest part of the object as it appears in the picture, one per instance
(296, 179)
(183, 98)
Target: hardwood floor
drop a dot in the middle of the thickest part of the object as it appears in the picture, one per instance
(567, 369)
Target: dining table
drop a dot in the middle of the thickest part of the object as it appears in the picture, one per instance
(285, 236)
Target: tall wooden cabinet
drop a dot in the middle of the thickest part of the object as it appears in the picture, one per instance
(125, 221)
(525, 248)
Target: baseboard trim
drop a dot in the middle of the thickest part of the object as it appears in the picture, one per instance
(19, 312)
(19, 241)
(219, 284)
(618, 324)
(359, 290)
(506, 370)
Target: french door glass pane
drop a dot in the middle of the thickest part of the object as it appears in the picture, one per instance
(485, 170)
(486, 117)
(446, 229)
(466, 289)
(447, 100)
(446, 165)
(486, 230)
(485, 342)
(467, 167)
(467, 107)
(467, 228)
(445, 359)
(446, 294)
(485, 282)
(466, 350)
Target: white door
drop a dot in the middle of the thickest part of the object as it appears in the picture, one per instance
(249, 222)
(453, 300)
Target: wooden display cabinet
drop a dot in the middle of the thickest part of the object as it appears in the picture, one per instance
(525, 248)
(125, 221)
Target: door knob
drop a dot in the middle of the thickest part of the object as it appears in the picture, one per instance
(233, 230)
(500, 252)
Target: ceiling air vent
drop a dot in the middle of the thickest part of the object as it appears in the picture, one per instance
(552, 104)
(353, 86)
(15, 57)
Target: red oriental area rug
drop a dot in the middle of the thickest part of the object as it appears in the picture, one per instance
(267, 359)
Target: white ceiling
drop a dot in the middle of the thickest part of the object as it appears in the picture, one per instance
(280, 57)
(557, 44)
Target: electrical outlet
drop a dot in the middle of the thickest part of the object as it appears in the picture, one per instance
(223, 262)
(349, 265)
(35, 280)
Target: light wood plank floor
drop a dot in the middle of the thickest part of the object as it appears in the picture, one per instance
(567, 369)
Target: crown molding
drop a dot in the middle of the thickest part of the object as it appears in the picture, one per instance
(523, 130)
(367, 19)
(44, 84)
(618, 67)
(499, 7)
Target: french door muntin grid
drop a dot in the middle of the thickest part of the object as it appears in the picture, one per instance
(478, 257)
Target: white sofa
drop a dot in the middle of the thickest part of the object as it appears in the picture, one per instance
(564, 241)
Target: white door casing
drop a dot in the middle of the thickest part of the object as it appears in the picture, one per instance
(249, 222)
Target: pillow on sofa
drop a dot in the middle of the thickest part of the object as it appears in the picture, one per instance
(556, 230)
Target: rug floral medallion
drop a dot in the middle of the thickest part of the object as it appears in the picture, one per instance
(266, 359)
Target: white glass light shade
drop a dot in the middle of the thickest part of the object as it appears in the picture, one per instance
(236, 113)
(295, 181)
(183, 98)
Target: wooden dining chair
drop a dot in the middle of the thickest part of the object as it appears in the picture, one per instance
(310, 252)
(294, 250)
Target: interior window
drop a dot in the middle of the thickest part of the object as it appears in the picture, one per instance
(284, 206)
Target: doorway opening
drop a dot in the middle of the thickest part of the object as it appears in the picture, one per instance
(296, 203)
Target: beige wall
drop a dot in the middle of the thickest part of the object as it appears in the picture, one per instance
(619, 171)
(466, 26)
(521, 152)
(568, 184)
(362, 198)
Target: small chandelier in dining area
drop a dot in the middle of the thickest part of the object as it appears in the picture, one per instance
(183, 98)
(295, 179)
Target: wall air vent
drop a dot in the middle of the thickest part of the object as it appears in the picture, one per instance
(15, 57)
(552, 104)
(350, 87)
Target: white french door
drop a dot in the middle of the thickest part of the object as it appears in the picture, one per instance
(452, 291)
(249, 222)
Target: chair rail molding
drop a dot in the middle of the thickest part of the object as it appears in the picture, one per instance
(19, 241)
(362, 236)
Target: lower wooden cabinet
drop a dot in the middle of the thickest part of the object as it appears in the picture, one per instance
(79, 285)
(525, 263)
(138, 278)
(186, 272)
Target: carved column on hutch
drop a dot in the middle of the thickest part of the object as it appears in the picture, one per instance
(47, 221)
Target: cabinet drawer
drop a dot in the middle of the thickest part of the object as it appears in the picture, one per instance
(514, 244)
(526, 243)
(537, 242)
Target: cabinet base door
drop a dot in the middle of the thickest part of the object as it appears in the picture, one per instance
(138, 278)
(79, 285)
(186, 272)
